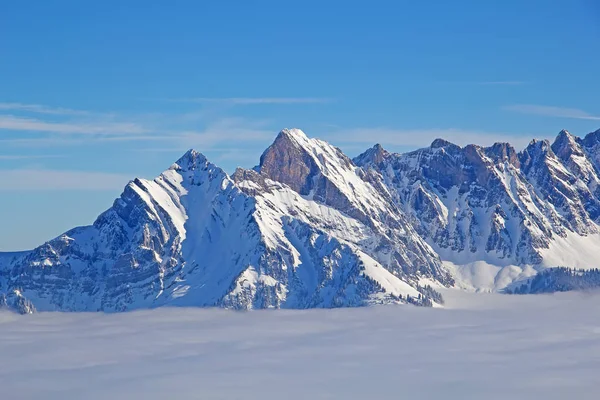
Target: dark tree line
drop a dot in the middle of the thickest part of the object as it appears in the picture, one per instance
(559, 279)
(430, 293)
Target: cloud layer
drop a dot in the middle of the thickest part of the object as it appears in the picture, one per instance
(486, 346)
(15, 123)
(253, 100)
(551, 111)
(41, 109)
(44, 179)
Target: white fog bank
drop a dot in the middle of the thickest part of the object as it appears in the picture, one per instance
(481, 346)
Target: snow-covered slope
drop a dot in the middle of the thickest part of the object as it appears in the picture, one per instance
(306, 228)
(492, 213)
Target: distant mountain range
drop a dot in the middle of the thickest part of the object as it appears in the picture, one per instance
(310, 227)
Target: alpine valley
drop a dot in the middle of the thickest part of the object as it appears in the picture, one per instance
(311, 228)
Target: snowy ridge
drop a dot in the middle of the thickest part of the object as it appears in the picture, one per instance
(494, 215)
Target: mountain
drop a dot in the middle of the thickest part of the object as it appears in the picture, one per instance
(496, 215)
(309, 227)
(305, 228)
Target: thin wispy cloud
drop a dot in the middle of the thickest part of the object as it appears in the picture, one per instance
(500, 83)
(43, 179)
(222, 131)
(41, 109)
(15, 123)
(160, 149)
(551, 111)
(206, 138)
(253, 100)
(27, 157)
(68, 127)
(46, 141)
(158, 132)
(416, 138)
(488, 83)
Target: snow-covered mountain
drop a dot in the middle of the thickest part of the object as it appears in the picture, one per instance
(305, 228)
(309, 227)
(496, 215)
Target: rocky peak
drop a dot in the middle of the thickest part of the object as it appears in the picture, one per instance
(293, 134)
(194, 168)
(566, 145)
(473, 149)
(250, 181)
(190, 161)
(592, 139)
(537, 151)
(437, 143)
(475, 154)
(442, 143)
(591, 145)
(537, 145)
(290, 138)
(566, 134)
(287, 161)
(478, 166)
(374, 155)
(503, 152)
(564, 137)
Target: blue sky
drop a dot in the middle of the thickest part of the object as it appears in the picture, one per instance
(93, 94)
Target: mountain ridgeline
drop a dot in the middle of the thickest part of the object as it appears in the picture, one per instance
(309, 227)
(520, 211)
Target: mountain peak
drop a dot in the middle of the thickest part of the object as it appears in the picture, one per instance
(293, 133)
(287, 139)
(564, 137)
(191, 153)
(288, 160)
(542, 144)
(566, 144)
(374, 155)
(592, 138)
(503, 152)
(439, 142)
(189, 160)
(564, 132)
(536, 152)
